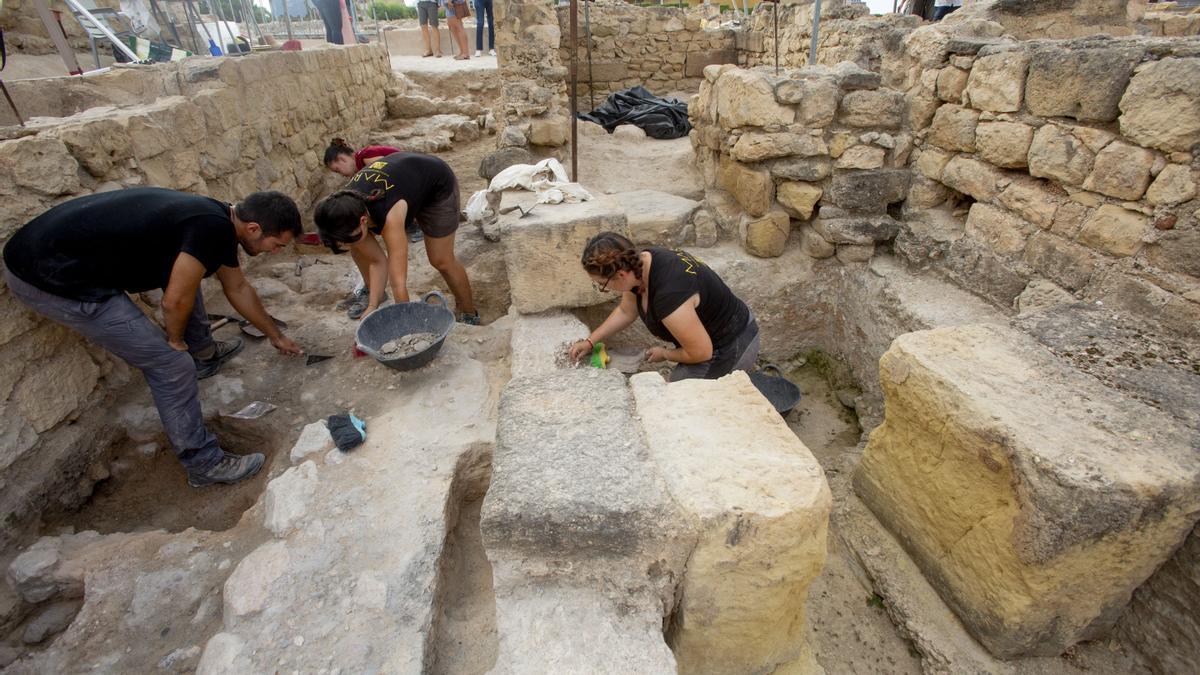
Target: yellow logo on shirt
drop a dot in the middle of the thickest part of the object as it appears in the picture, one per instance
(691, 263)
(377, 165)
(367, 176)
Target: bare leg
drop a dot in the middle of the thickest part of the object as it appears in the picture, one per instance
(441, 255)
(459, 35)
(425, 38)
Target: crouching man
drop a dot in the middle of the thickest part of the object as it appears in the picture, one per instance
(75, 263)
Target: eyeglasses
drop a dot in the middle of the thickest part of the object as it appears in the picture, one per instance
(603, 287)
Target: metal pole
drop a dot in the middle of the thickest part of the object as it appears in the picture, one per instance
(103, 29)
(287, 18)
(11, 104)
(574, 93)
(587, 33)
(812, 50)
(775, 13)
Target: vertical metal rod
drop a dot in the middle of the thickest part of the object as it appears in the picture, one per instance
(587, 34)
(574, 95)
(287, 18)
(11, 104)
(775, 13)
(812, 50)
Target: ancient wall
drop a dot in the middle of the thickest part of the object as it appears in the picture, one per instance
(24, 31)
(777, 149)
(1072, 162)
(847, 33)
(664, 49)
(237, 125)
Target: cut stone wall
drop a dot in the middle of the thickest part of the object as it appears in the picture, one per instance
(533, 109)
(664, 49)
(232, 126)
(847, 33)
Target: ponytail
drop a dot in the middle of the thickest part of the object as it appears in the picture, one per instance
(608, 253)
(338, 215)
(337, 147)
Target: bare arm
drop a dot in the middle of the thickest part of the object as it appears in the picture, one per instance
(368, 251)
(695, 344)
(180, 296)
(245, 300)
(397, 245)
(617, 321)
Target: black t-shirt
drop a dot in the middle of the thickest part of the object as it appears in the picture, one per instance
(420, 180)
(124, 241)
(676, 276)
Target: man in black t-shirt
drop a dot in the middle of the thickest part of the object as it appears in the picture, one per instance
(75, 263)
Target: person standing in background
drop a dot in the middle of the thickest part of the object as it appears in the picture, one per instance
(427, 16)
(331, 16)
(943, 7)
(482, 7)
(456, 11)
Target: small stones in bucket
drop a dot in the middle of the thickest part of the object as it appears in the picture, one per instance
(411, 344)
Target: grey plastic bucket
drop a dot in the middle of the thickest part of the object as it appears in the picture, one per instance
(395, 321)
(781, 392)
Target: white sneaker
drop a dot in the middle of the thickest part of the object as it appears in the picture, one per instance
(478, 53)
(491, 52)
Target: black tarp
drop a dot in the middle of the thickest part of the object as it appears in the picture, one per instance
(658, 117)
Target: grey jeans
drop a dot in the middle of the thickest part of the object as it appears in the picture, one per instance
(120, 327)
(737, 355)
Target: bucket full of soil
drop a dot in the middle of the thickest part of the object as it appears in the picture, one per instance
(780, 391)
(406, 336)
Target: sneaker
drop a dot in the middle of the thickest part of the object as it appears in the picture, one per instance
(491, 52)
(231, 469)
(415, 235)
(471, 319)
(478, 53)
(345, 302)
(226, 349)
(355, 309)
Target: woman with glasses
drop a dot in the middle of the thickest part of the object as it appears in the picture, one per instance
(680, 299)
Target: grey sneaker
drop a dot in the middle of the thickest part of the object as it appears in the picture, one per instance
(352, 297)
(415, 235)
(356, 308)
(231, 469)
(471, 319)
(226, 349)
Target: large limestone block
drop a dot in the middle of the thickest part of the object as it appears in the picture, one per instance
(1085, 84)
(1005, 144)
(817, 97)
(1121, 170)
(973, 177)
(997, 81)
(1000, 230)
(954, 128)
(542, 250)
(798, 198)
(1056, 153)
(655, 217)
(867, 191)
(40, 164)
(761, 505)
(1115, 230)
(752, 187)
(539, 342)
(765, 236)
(1034, 498)
(745, 98)
(1173, 185)
(754, 146)
(1161, 107)
(881, 108)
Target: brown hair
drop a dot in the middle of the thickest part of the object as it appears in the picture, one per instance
(337, 216)
(608, 253)
(337, 147)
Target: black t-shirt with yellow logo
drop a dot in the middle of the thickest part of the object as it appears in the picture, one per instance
(124, 241)
(420, 180)
(676, 276)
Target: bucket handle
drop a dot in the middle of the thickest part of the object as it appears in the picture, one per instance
(435, 294)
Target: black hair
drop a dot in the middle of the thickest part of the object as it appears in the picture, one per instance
(338, 215)
(608, 253)
(337, 146)
(274, 211)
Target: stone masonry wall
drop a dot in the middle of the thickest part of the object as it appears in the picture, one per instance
(533, 106)
(823, 147)
(237, 125)
(847, 33)
(1073, 162)
(664, 49)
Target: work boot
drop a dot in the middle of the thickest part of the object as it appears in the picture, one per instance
(222, 352)
(354, 296)
(231, 469)
(471, 319)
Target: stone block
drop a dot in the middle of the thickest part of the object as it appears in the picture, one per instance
(854, 253)
(249, 587)
(852, 76)
(41, 164)
(765, 236)
(1160, 107)
(1114, 230)
(1063, 262)
(758, 500)
(1034, 527)
(550, 131)
(655, 217)
(867, 191)
(997, 81)
(973, 177)
(1001, 231)
(753, 146)
(814, 244)
(752, 188)
(817, 98)
(57, 388)
(1033, 199)
(797, 198)
(931, 162)
(697, 62)
(745, 98)
(800, 168)
(861, 230)
(861, 157)
(287, 498)
(314, 438)
(542, 249)
(1121, 170)
(1005, 144)
(1173, 185)
(954, 128)
(951, 82)
(540, 341)
(99, 144)
(882, 108)
(1058, 154)
(1085, 84)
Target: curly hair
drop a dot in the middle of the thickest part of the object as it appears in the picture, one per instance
(608, 253)
(337, 147)
(338, 215)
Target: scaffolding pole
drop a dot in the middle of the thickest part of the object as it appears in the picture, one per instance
(574, 93)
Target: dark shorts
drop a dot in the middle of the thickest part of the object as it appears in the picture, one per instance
(740, 354)
(427, 13)
(440, 219)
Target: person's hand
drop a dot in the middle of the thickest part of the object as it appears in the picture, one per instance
(178, 345)
(285, 345)
(579, 349)
(656, 354)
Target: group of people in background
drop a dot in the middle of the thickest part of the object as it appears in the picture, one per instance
(456, 11)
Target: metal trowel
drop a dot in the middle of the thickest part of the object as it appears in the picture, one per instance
(517, 207)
